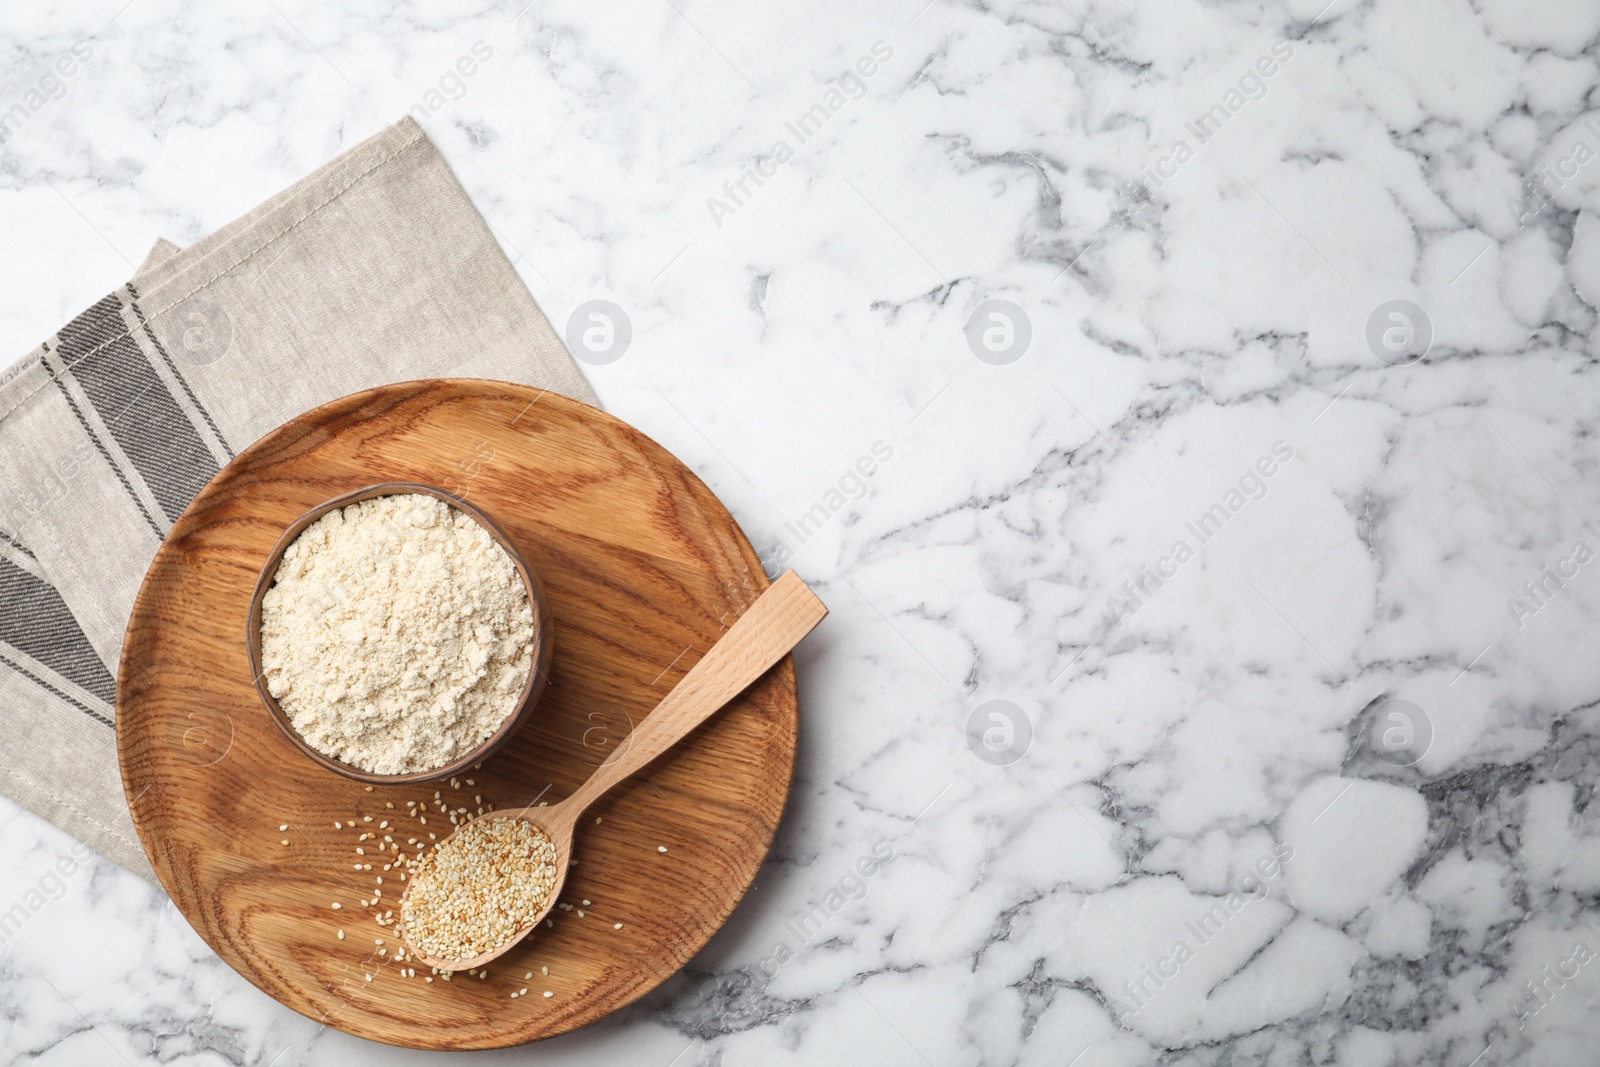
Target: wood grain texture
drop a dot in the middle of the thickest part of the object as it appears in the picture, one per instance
(643, 569)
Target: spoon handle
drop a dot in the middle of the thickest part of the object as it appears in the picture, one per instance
(763, 635)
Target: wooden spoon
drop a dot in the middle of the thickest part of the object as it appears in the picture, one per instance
(763, 635)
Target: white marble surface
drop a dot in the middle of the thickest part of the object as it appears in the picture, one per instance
(1224, 737)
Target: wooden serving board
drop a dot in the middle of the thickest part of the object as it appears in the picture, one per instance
(643, 568)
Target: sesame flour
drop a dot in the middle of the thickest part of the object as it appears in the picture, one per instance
(397, 635)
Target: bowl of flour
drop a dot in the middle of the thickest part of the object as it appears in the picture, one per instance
(397, 635)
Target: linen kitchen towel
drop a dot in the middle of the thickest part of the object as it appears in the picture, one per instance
(374, 269)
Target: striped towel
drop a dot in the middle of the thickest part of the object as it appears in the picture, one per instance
(374, 269)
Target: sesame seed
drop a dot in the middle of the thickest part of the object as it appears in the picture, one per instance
(586, 903)
(480, 889)
(548, 993)
(285, 841)
(337, 905)
(661, 848)
(341, 935)
(284, 827)
(522, 992)
(527, 976)
(369, 789)
(597, 819)
(617, 926)
(338, 826)
(366, 818)
(542, 970)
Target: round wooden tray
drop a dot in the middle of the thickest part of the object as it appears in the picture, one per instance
(643, 568)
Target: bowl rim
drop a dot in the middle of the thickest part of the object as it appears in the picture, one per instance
(543, 636)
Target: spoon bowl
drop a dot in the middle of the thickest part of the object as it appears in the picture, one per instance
(762, 636)
(561, 835)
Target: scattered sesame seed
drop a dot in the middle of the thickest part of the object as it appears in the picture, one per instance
(542, 970)
(616, 926)
(284, 827)
(337, 905)
(369, 789)
(338, 826)
(548, 993)
(366, 818)
(661, 848)
(285, 841)
(527, 976)
(586, 903)
(341, 935)
(597, 819)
